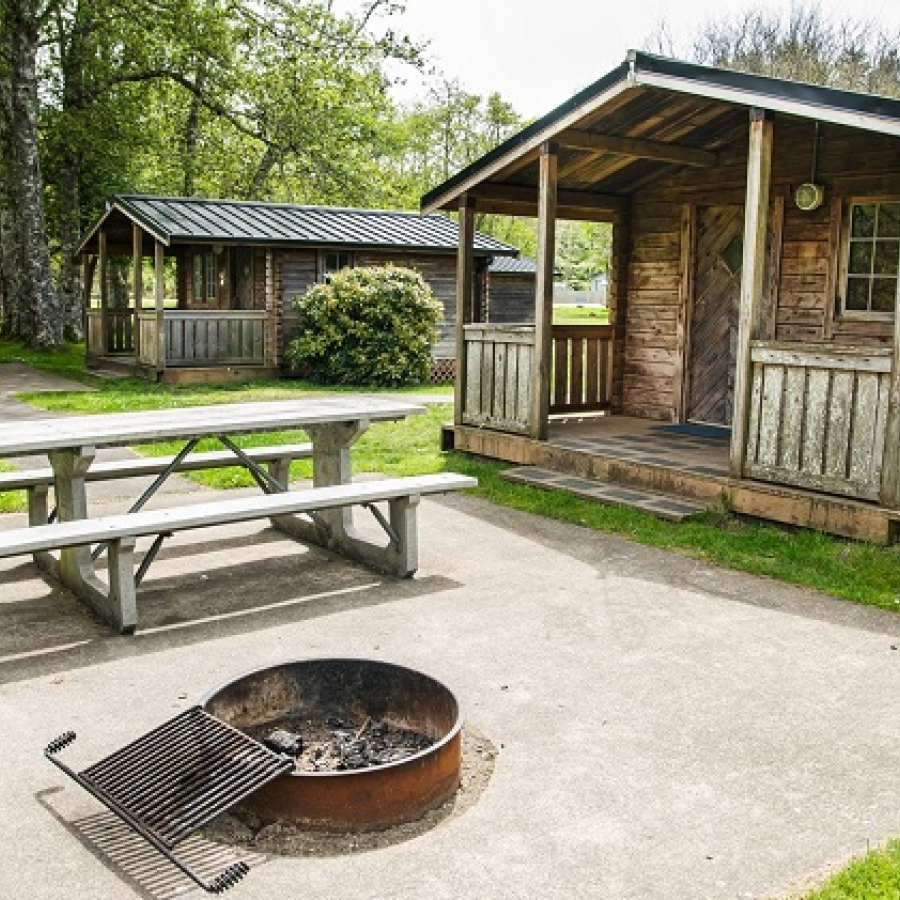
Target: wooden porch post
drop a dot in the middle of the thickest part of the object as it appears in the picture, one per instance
(272, 350)
(104, 291)
(87, 277)
(137, 245)
(543, 313)
(890, 471)
(756, 226)
(465, 273)
(159, 296)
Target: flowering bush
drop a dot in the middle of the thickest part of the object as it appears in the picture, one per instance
(368, 326)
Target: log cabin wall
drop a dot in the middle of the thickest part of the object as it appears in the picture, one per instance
(439, 271)
(297, 270)
(803, 263)
(510, 298)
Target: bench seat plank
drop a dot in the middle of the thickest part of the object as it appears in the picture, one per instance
(220, 512)
(110, 470)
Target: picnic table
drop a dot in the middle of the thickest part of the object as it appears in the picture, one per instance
(333, 424)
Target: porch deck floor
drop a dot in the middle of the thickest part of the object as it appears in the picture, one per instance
(699, 449)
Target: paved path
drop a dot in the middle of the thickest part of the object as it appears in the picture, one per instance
(666, 729)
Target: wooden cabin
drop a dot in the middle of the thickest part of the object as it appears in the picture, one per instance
(186, 289)
(753, 296)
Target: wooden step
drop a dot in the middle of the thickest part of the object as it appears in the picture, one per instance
(663, 506)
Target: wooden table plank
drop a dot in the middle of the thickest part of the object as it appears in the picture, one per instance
(185, 423)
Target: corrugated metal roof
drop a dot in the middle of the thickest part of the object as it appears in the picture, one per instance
(507, 265)
(183, 219)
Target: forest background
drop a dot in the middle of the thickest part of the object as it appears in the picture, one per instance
(285, 100)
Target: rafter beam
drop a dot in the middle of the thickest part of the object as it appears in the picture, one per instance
(521, 200)
(640, 148)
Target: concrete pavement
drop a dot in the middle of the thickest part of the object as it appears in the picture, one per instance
(666, 729)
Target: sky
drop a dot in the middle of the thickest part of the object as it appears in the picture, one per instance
(537, 54)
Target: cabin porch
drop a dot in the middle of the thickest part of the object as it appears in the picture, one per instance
(678, 462)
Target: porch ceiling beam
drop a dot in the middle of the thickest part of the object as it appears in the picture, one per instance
(525, 198)
(530, 210)
(639, 148)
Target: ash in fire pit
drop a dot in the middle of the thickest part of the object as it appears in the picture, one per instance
(376, 744)
(338, 744)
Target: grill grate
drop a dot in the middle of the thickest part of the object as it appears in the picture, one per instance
(176, 778)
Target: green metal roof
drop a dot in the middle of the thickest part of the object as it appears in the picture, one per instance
(195, 220)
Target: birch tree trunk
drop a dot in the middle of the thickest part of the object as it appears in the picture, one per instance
(31, 298)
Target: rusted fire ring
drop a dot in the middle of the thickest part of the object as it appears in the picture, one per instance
(362, 799)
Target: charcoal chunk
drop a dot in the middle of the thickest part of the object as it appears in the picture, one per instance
(285, 742)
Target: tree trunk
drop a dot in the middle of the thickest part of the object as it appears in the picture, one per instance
(192, 137)
(34, 306)
(69, 237)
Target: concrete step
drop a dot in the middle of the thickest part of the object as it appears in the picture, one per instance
(664, 506)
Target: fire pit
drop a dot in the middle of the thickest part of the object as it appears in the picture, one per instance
(376, 744)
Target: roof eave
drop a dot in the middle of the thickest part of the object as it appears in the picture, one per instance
(186, 239)
(750, 98)
(531, 138)
(643, 70)
(118, 204)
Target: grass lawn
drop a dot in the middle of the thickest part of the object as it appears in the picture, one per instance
(580, 315)
(876, 876)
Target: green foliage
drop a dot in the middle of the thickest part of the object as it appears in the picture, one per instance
(876, 876)
(367, 326)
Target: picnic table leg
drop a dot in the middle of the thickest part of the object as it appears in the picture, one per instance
(334, 528)
(76, 568)
(331, 464)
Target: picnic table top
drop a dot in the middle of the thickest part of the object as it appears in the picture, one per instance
(187, 422)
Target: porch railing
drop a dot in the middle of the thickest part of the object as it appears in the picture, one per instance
(499, 366)
(818, 417)
(214, 338)
(112, 333)
(500, 371)
(581, 379)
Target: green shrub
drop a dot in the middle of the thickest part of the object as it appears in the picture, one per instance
(368, 326)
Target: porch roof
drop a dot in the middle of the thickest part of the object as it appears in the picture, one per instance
(646, 118)
(180, 220)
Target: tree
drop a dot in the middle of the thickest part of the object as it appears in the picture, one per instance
(244, 97)
(28, 304)
(802, 45)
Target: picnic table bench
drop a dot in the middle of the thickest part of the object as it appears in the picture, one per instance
(37, 482)
(321, 514)
(119, 532)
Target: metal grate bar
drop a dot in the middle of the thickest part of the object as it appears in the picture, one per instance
(178, 777)
(136, 775)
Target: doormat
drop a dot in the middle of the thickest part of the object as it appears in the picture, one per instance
(695, 429)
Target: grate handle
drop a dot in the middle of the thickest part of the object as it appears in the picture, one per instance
(59, 743)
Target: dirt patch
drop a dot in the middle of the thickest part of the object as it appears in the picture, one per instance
(479, 755)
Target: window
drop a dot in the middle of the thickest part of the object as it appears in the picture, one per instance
(872, 259)
(335, 260)
(205, 275)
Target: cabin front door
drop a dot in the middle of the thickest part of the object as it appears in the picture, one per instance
(714, 314)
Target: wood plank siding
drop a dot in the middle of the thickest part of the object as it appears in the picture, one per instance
(802, 278)
(297, 270)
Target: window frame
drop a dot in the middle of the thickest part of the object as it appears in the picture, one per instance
(205, 275)
(859, 315)
(325, 273)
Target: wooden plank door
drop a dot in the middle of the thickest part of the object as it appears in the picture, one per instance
(714, 315)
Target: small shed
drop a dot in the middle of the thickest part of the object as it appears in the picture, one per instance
(510, 290)
(188, 289)
(753, 293)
